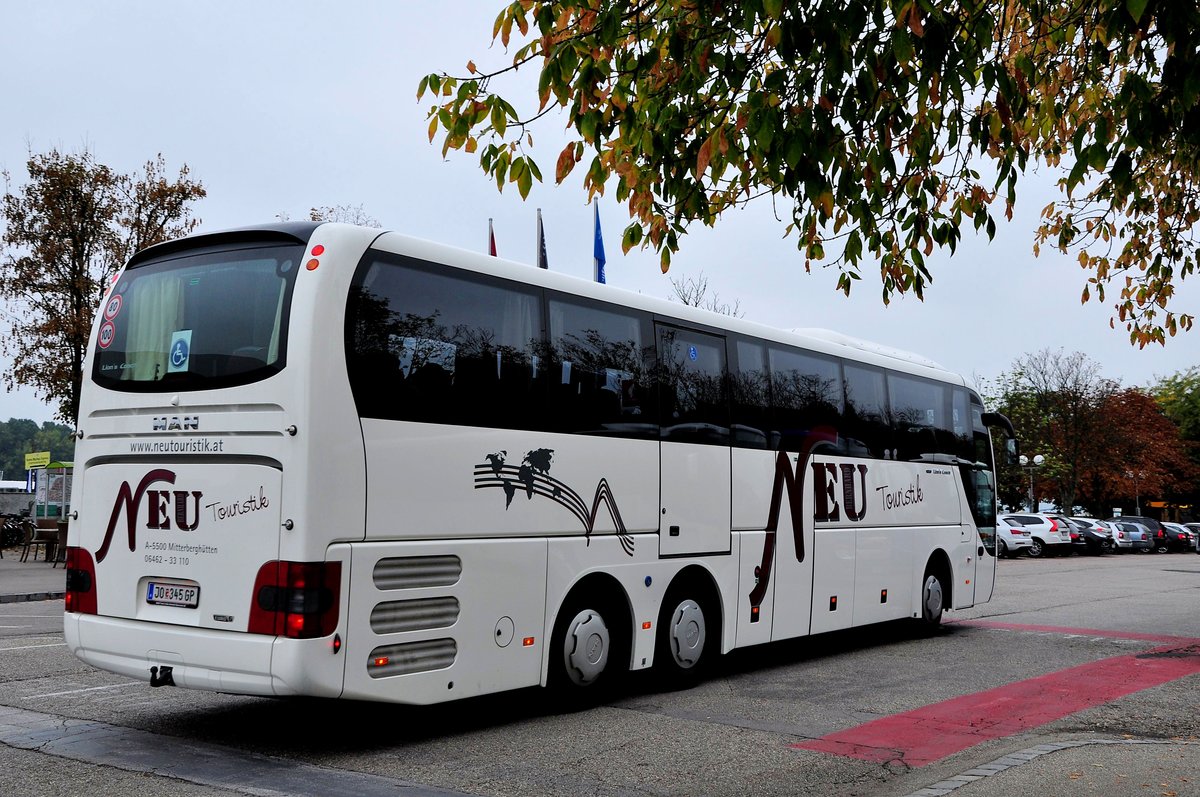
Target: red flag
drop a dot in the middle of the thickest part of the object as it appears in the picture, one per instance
(491, 240)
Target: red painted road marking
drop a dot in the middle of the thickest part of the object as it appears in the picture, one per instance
(933, 732)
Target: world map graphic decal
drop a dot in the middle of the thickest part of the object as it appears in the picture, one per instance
(532, 477)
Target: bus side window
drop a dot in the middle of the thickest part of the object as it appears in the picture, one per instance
(444, 348)
(922, 415)
(866, 425)
(600, 364)
(750, 398)
(806, 396)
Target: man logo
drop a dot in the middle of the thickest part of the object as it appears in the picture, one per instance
(164, 423)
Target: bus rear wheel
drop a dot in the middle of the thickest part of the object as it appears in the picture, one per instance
(687, 632)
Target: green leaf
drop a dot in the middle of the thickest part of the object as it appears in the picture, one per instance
(1136, 8)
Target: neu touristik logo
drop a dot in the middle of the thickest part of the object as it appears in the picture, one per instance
(171, 509)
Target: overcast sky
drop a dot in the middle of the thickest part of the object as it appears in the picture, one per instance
(278, 107)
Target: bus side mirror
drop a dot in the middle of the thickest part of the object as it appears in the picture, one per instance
(1010, 434)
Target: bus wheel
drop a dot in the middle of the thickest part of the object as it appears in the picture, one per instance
(585, 647)
(931, 600)
(687, 641)
(587, 651)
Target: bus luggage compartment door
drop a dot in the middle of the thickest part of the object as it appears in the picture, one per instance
(432, 621)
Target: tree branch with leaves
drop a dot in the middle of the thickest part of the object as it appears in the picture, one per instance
(881, 129)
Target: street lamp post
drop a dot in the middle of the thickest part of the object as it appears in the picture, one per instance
(1031, 465)
(1137, 490)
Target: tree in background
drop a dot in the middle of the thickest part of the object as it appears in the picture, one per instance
(1057, 409)
(1179, 398)
(1144, 455)
(349, 214)
(67, 231)
(20, 436)
(1104, 445)
(693, 291)
(882, 129)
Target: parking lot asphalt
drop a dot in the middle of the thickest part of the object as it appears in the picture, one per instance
(1072, 765)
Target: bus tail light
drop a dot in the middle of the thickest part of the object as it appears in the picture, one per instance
(296, 599)
(80, 596)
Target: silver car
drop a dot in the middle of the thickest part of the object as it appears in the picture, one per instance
(1131, 536)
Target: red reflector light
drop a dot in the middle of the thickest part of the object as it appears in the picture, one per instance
(318, 250)
(80, 595)
(382, 661)
(646, 626)
(527, 642)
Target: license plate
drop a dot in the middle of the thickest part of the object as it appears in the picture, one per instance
(162, 594)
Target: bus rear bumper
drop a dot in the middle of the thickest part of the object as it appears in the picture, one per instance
(219, 661)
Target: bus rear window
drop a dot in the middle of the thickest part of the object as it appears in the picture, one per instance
(197, 322)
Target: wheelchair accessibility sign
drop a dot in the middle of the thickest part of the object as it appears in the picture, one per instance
(181, 350)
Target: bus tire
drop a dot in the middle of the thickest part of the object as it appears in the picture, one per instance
(589, 646)
(688, 634)
(933, 598)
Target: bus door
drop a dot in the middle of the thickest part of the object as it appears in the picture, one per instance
(980, 491)
(694, 474)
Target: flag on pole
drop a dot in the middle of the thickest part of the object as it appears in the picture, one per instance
(491, 240)
(542, 260)
(598, 247)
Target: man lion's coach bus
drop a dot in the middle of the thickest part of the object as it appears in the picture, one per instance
(317, 459)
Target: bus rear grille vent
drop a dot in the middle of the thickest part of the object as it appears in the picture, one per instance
(411, 657)
(415, 572)
(395, 617)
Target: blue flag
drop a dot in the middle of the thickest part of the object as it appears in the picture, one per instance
(598, 248)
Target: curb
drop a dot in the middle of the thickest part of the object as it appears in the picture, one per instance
(32, 596)
(1023, 757)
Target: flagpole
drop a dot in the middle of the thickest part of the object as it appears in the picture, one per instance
(539, 246)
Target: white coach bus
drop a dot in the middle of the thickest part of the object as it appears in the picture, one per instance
(318, 459)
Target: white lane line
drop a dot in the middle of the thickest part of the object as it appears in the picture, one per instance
(88, 689)
(30, 647)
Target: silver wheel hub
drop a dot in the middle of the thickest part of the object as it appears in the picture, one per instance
(687, 633)
(933, 597)
(586, 646)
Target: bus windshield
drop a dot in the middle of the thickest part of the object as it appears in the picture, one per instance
(196, 322)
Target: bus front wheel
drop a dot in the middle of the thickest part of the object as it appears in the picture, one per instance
(586, 649)
(932, 599)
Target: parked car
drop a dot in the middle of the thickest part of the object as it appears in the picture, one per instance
(1179, 537)
(1093, 537)
(1158, 534)
(1132, 535)
(1049, 537)
(1128, 537)
(1195, 527)
(1015, 539)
